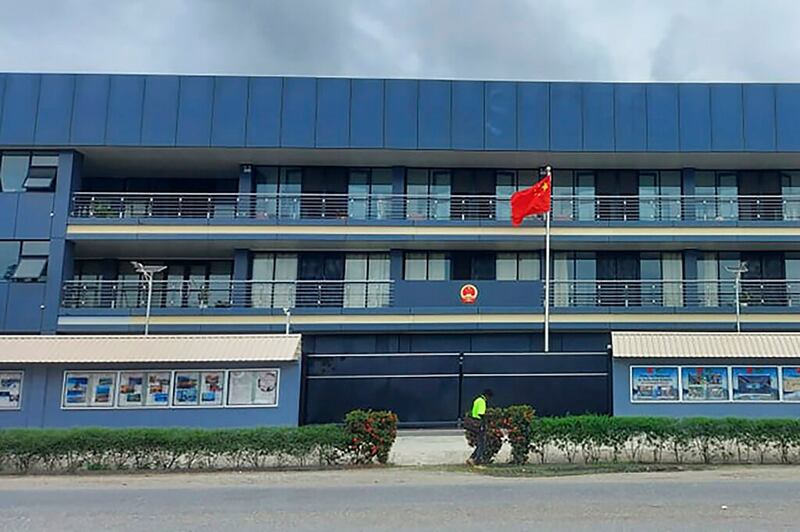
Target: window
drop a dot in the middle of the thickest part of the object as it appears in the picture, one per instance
(369, 193)
(13, 171)
(370, 267)
(274, 277)
(574, 195)
(518, 267)
(23, 261)
(506, 183)
(253, 387)
(40, 179)
(9, 257)
(790, 189)
(21, 171)
(421, 266)
(428, 194)
(278, 192)
(660, 195)
(716, 196)
(10, 390)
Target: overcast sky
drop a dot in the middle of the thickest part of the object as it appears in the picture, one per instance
(625, 40)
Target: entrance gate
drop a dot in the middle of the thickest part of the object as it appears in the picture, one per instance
(434, 389)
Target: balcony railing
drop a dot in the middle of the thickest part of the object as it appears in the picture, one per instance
(395, 207)
(227, 294)
(677, 294)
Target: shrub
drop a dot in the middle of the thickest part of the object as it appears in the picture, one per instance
(371, 435)
(518, 424)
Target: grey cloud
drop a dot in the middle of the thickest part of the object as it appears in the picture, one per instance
(479, 39)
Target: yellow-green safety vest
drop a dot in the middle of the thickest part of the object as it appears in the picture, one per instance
(478, 407)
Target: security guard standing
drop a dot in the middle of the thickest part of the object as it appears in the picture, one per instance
(477, 422)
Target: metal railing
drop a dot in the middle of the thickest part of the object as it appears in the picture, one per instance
(444, 208)
(228, 294)
(678, 294)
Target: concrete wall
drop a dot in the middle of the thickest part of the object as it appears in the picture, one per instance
(42, 393)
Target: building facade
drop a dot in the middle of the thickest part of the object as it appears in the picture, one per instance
(356, 211)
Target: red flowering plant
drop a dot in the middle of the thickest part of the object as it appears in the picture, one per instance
(518, 425)
(371, 434)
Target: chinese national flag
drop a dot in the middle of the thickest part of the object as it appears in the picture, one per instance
(534, 200)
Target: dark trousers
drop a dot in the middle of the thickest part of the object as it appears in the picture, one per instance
(480, 448)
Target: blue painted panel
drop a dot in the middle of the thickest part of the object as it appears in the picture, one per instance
(468, 115)
(55, 109)
(160, 112)
(401, 113)
(33, 216)
(264, 112)
(195, 99)
(2, 96)
(124, 127)
(566, 120)
(8, 214)
(598, 117)
(3, 302)
(533, 122)
(726, 117)
(787, 117)
(630, 117)
(230, 112)
(90, 109)
(18, 119)
(662, 117)
(501, 116)
(695, 117)
(333, 113)
(366, 113)
(24, 309)
(759, 117)
(299, 110)
(434, 114)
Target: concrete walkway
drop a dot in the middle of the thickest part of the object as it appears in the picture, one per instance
(433, 447)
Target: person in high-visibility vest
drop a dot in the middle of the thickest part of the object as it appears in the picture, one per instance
(478, 417)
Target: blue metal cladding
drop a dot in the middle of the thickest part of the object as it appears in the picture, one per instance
(467, 115)
(401, 113)
(434, 114)
(56, 95)
(695, 117)
(787, 106)
(160, 110)
(533, 116)
(3, 302)
(758, 102)
(195, 99)
(133, 110)
(333, 113)
(26, 301)
(18, 120)
(8, 214)
(662, 117)
(630, 117)
(33, 216)
(366, 113)
(500, 116)
(90, 110)
(229, 126)
(298, 113)
(566, 120)
(125, 100)
(598, 117)
(727, 118)
(264, 112)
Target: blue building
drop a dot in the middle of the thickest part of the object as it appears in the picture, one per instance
(355, 211)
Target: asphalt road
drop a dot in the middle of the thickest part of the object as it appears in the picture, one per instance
(395, 499)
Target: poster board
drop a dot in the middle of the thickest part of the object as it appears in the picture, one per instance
(11, 390)
(755, 383)
(257, 387)
(654, 383)
(705, 384)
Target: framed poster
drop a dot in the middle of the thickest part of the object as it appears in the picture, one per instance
(705, 384)
(76, 389)
(159, 384)
(654, 383)
(10, 390)
(212, 388)
(790, 382)
(186, 388)
(131, 389)
(755, 383)
(103, 389)
(253, 387)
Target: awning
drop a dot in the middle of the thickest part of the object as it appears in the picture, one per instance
(153, 348)
(704, 345)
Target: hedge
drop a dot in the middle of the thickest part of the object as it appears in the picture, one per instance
(69, 450)
(639, 439)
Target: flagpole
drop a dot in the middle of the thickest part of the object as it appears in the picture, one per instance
(547, 273)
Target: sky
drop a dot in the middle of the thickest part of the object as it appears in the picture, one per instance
(586, 40)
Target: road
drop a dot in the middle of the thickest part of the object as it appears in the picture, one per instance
(403, 499)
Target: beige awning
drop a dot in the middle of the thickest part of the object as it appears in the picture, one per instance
(154, 348)
(705, 345)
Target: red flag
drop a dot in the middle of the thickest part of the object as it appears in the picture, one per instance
(534, 200)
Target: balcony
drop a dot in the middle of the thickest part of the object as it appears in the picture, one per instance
(275, 208)
(227, 294)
